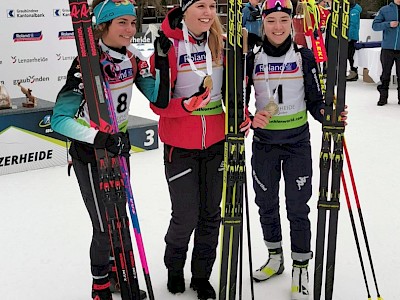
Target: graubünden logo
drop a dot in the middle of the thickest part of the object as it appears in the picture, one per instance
(31, 79)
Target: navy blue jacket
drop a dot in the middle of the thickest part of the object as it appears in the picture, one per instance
(313, 97)
(382, 21)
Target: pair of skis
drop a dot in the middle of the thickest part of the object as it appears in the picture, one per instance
(234, 194)
(331, 158)
(113, 172)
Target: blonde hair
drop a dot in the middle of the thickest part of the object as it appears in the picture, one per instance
(300, 8)
(215, 40)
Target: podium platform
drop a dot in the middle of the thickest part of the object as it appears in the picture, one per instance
(27, 141)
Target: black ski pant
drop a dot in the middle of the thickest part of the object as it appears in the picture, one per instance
(100, 247)
(388, 58)
(294, 161)
(253, 40)
(195, 184)
(351, 50)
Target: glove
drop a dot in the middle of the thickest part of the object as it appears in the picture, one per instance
(197, 100)
(117, 143)
(245, 126)
(162, 44)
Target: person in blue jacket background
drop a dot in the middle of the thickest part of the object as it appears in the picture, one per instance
(354, 35)
(387, 20)
(252, 21)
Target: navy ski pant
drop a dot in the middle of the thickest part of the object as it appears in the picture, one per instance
(294, 162)
(195, 184)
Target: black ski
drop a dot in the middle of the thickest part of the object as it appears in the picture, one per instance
(234, 155)
(331, 157)
(111, 182)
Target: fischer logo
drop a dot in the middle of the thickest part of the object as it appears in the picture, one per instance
(58, 12)
(24, 13)
(28, 60)
(62, 57)
(66, 35)
(31, 79)
(27, 36)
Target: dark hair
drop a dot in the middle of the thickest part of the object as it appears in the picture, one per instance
(99, 29)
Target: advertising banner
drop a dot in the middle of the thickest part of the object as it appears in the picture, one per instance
(37, 46)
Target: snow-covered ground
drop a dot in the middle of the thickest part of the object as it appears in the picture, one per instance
(45, 230)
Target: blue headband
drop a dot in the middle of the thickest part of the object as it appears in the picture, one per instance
(108, 10)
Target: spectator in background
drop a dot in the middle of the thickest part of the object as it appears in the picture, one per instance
(354, 30)
(299, 35)
(252, 21)
(387, 20)
(324, 9)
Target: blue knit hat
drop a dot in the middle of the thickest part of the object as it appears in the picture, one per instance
(110, 9)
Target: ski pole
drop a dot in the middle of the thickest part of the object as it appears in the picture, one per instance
(246, 199)
(361, 217)
(353, 225)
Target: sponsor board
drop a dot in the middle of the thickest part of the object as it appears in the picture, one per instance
(66, 35)
(25, 150)
(31, 79)
(28, 60)
(65, 57)
(61, 12)
(27, 36)
(24, 13)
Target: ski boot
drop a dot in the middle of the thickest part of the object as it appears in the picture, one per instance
(176, 282)
(300, 280)
(203, 288)
(101, 289)
(353, 76)
(273, 266)
(114, 284)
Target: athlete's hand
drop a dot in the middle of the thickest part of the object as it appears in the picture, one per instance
(343, 115)
(261, 119)
(117, 143)
(245, 126)
(197, 100)
(162, 44)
